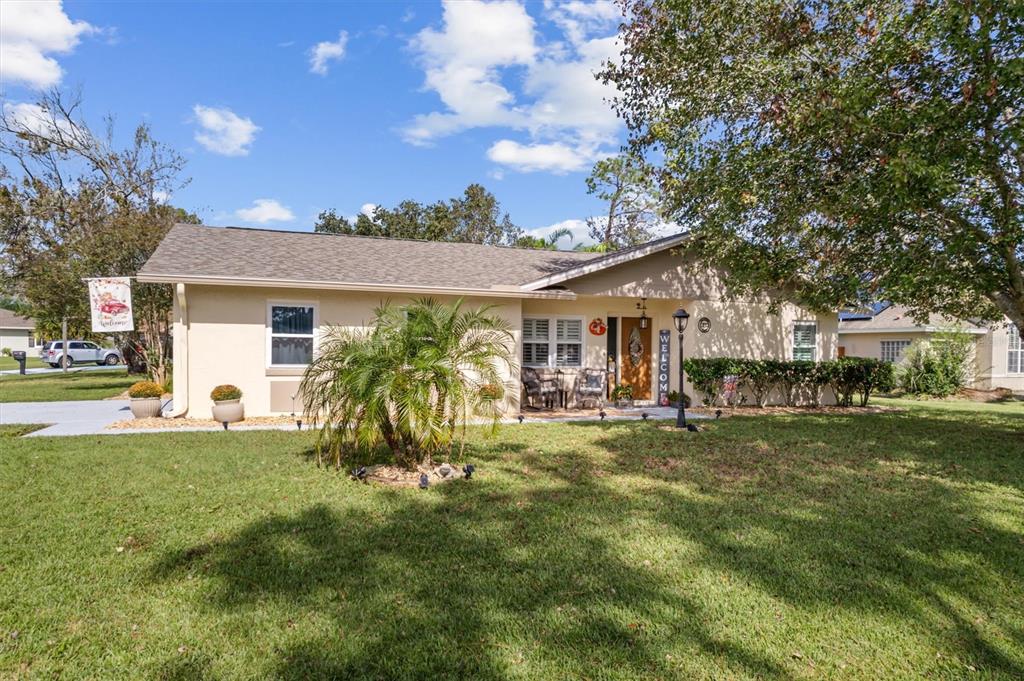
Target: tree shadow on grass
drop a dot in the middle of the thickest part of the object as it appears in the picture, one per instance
(465, 581)
(891, 524)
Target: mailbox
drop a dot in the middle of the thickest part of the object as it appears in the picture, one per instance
(19, 357)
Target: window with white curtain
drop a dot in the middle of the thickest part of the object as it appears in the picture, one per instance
(552, 341)
(291, 330)
(805, 341)
(1015, 352)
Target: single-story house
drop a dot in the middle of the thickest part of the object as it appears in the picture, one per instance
(886, 334)
(250, 306)
(16, 332)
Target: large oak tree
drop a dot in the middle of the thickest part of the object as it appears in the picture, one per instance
(839, 151)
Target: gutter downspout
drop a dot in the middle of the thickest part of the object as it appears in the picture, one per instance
(180, 356)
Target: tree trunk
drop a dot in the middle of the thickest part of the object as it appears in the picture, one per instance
(64, 343)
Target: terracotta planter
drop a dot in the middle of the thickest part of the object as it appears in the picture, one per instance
(146, 407)
(228, 411)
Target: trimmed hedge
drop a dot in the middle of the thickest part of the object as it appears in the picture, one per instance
(721, 380)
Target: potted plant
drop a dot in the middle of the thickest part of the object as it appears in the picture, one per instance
(227, 404)
(673, 400)
(145, 399)
(622, 395)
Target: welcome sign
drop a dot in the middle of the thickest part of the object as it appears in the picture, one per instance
(664, 364)
(110, 300)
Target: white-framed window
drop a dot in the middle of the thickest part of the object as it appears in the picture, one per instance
(291, 333)
(1014, 352)
(805, 341)
(892, 350)
(553, 341)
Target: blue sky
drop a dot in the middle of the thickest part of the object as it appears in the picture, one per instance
(286, 109)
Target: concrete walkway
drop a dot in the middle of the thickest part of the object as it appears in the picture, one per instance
(91, 417)
(85, 417)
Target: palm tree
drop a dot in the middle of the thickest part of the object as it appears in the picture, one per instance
(545, 244)
(423, 370)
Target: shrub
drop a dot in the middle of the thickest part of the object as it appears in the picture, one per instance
(623, 391)
(408, 383)
(5, 352)
(225, 392)
(145, 389)
(708, 376)
(939, 367)
(862, 375)
(761, 376)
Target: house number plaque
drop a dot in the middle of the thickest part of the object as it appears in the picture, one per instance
(703, 324)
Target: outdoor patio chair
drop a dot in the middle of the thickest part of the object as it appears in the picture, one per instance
(539, 388)
(590, 386)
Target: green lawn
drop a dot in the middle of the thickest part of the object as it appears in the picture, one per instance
(32, 361)
(75, 385)
(857, 546)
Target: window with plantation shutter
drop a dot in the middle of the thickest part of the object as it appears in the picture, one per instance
(1015, 352)
(805, 341)
(568, 342)
(552, 342)
(536, 342)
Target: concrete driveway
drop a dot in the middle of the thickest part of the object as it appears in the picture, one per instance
(84, 417)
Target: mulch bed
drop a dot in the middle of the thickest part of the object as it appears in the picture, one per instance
(397, 476)
(167, 423)
(762, 411)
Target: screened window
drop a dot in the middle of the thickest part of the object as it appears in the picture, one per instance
(805, 341)
(291, 334)
(1015, 352)
(892, 350)
(551, 342)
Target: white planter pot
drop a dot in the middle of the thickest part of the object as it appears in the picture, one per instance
(228, 411)
(145, 407)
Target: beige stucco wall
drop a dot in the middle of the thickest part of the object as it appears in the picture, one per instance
(870, 344)
(227, 339)
(225, 329)
(667, 275)
(737, 329)
(993, 361)
(990, 354)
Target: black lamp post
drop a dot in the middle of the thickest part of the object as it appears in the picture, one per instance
(681, 317)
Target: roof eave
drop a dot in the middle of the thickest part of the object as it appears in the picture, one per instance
(611, 260)
(910, 329)
(496, 292)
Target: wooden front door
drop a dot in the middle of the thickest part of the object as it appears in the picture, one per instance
(635, 357)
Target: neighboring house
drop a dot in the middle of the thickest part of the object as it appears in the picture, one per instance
(250, 307)
(16, 332)
(888, 333)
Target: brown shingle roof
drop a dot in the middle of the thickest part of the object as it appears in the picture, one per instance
(898, 318)
(198, 251)
(9, 320)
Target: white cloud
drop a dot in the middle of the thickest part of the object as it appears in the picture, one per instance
(555, 157)
(578, 229)
(265, 210)
(327, 51)
(482, 48)
(579, 19)
(461, 64)
(223, 131)
(368, 209)
(32, 118)
(28, 32)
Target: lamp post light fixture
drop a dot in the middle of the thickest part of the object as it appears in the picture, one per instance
(644, 319)
(680, 317)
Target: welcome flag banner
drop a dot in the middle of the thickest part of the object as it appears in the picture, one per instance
(111, 302)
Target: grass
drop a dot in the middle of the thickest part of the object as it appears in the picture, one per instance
(882, 546)
(31, 362)
(75, 385)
